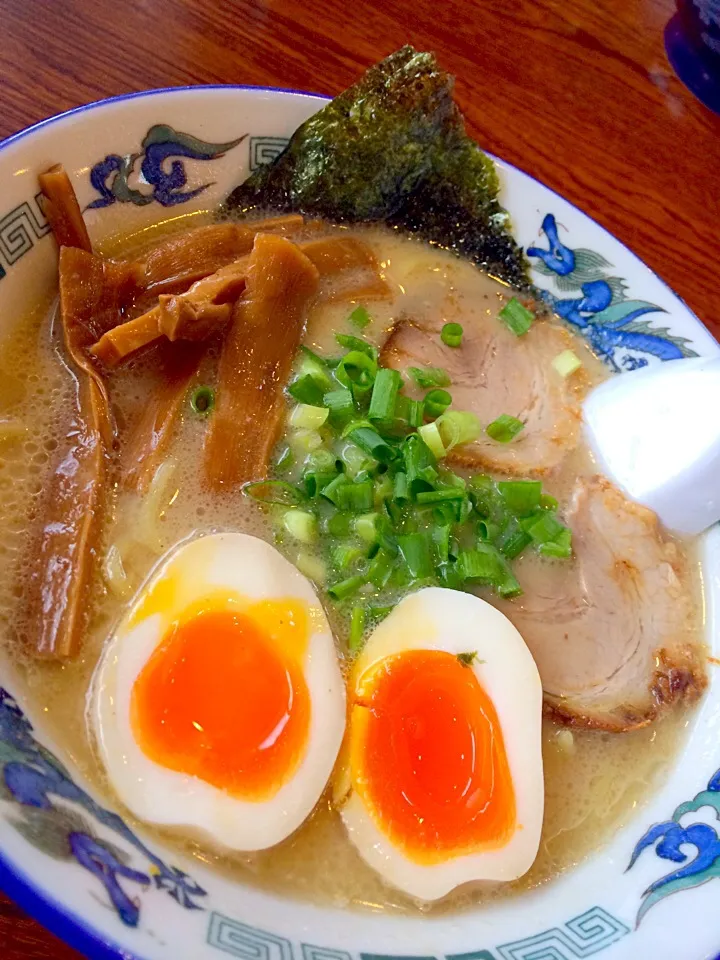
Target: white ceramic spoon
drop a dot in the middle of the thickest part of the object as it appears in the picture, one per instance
(656, 434)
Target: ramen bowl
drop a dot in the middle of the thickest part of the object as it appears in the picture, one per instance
(113, 892)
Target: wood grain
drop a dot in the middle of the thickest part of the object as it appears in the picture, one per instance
(580, 95)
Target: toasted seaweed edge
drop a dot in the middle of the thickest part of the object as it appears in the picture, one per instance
(433, 181)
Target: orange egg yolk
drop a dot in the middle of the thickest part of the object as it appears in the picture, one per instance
(427, 757)
(223, 698)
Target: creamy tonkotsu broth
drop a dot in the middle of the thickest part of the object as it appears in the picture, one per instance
(594, 780)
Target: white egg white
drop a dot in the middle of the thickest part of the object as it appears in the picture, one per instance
(439, 619)
(249, 567)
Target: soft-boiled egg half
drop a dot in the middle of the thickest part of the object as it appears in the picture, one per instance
(218, 704)
(442, 780)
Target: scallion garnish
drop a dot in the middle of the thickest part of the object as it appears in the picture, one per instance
(346, 588)
(430, 435)
(457, 427)
(345, 555)
(307, 389)
(356, 368)
(415, 551)
(516, 317)
(451, 334)
(566, 363)
(467, 659)
(202, 400)
(371, 442)
(301, 525)
(359, 318)
(349, 342)
(355, 497)
(436, 403)
(341, 405)
(521, 496)
(427, 377)
(365, 527)
(505, 428)
(357, 628)
(306, 417)
(384, 392)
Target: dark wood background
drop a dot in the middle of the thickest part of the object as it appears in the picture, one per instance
(577, 93)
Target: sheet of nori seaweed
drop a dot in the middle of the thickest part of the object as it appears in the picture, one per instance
(393, 148)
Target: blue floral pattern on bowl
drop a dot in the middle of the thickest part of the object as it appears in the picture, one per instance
(160, 144)
(603, 314)
(36, 780)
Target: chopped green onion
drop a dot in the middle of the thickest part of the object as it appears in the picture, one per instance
(301, 525)
(340, 524)
(467, 659)
(353, 425)
(321, 461)
(356, 460)
(419, 463)
(202, 400)
(415, 413)
(356, 497)
(516, 317)
(359, 318)
(561, 546)
(305, 441)
(457, 427)
(306, 389)
(483, 493)
(311, 566)
(547, 502)
(427, 377)
(437, 402)
(365, 527)
(341, 405)
(451, 334)
(521, 496)
(513, 540)
(371, 442)
(383, 490)
(381, 568)
(384, 392)
(316, 481)
(415, 551)
(331, 490)
(430, 435)
(285, 459)
(488, 531)
(545, 528)
(345, 588)
(357, 628)
(306, 417)
(566, 363)
(441, 541)
(356, 367)
(504, 428)
(315, 366)
(440, 495)
(401, 490)
(349, 342)
(274, 491)
(482, 564)
(344, 555)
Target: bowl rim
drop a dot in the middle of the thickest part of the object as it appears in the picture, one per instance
(27, 892)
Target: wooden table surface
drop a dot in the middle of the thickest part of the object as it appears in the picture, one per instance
(579, 94)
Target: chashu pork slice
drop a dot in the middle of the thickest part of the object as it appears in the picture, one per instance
(494, 372)
(614, 636)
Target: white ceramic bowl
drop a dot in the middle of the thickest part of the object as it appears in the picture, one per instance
(134, 160)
